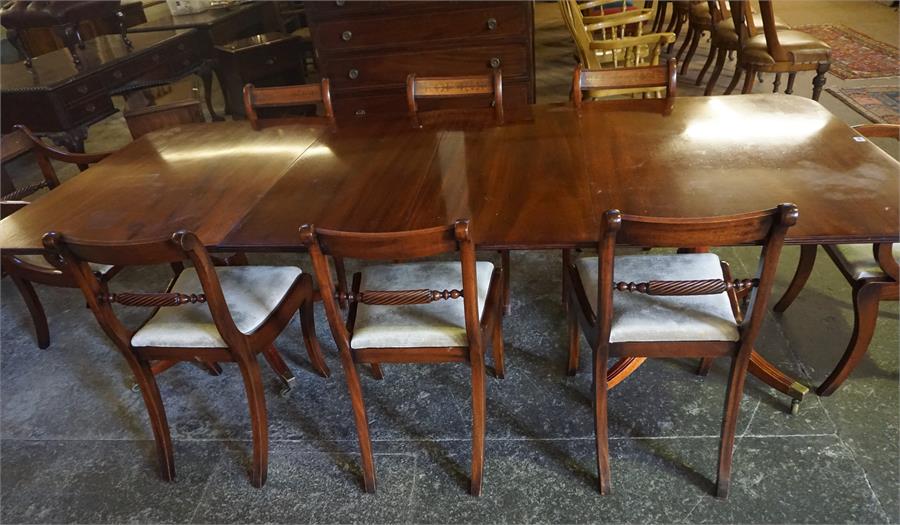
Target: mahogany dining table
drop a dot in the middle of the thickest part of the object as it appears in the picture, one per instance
(540, 181)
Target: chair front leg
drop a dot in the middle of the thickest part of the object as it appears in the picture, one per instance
(819, 80)
(733, 395)
(256, 401)
(601, 430)
(866, 297)
(713, 51)
(33, 304)
(360, 419)
(478, 420)
(143, 374)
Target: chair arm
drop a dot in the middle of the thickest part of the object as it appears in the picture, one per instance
(62, 155)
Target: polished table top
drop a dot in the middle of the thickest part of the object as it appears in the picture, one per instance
(541, 182)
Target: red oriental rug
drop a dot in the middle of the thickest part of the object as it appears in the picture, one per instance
(855, 55)
(879, 104)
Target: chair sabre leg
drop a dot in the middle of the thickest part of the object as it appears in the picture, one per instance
(478, 422)
(865, 312)
(601, 431)
(36, 309)
(256, 401)
(729, 422)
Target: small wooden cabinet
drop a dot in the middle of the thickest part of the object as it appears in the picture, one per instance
(367, 49)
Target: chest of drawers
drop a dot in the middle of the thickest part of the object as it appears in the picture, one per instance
(367, 49)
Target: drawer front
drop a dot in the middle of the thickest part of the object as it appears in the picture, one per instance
(502, 20)
(350, 106)
(272, 59)
(391, 70)
(90, 109)
(81, 89)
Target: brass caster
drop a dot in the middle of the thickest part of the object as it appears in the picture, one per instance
(286, 386)
(795, 407)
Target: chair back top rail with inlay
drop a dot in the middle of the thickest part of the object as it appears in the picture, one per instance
(490, 84)
(636, 79)
(288, 96)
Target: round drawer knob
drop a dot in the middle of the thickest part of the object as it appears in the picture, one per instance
(270, 61)
(90, 108)
(82, 89)
(346, 36)
(339, 3)
(495, 62)
(360, 113)
(491, 24)
(117, 75)
(353, 74)
(181, 47)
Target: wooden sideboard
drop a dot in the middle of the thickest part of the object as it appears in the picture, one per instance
(367, 48)
(58, 99)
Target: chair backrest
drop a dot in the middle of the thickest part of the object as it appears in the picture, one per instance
(490, 84)
(22, 140)
(879, 130)
(73, 256)
(151, 118)
(742, 14)
(288, 96)
(766, 228)
(622, 33)
(394, 246)
(635, 79)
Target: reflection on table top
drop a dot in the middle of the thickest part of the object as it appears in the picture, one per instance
(539, 182)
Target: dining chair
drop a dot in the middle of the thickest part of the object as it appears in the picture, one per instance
(151, 118)
(776, 50)
(680, 11)
(256, 98)
(679, 305)
(614, 41)
(227, 314)
(413, 312)
(724, 41)
(870, 269)
(659, 80)
(487, 86)
(699, 22)
(26, 270)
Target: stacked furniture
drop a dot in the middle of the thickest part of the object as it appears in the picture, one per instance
(367, 49)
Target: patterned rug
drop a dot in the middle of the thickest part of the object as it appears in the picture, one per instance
(855, 55)
(878, 104)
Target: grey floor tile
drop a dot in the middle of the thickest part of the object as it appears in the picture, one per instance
(100, 481)
(309, 486)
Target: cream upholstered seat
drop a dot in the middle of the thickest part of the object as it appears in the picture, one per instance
(640, 317)
(251, 292)
(859, 259)
(437, 324)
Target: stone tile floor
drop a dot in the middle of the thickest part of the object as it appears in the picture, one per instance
(75, 445)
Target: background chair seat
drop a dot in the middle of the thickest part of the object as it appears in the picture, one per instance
(251, 292)
(802, 48)
(437, 324)
(859, 260)
(639, 317)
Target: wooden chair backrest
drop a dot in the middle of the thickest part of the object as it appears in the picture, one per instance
(490, 84)
(637, 79)
(152, 118)
(288, 96)
(394, 246)
(766, 228)
(73, 256)
(22, 140)
(878, 130)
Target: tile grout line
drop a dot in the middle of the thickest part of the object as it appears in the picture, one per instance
(688, 515)
(412, 490)
(205, 489)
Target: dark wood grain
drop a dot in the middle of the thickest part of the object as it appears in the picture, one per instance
(241, 189)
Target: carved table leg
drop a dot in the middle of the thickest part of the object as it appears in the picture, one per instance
(205, 73)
